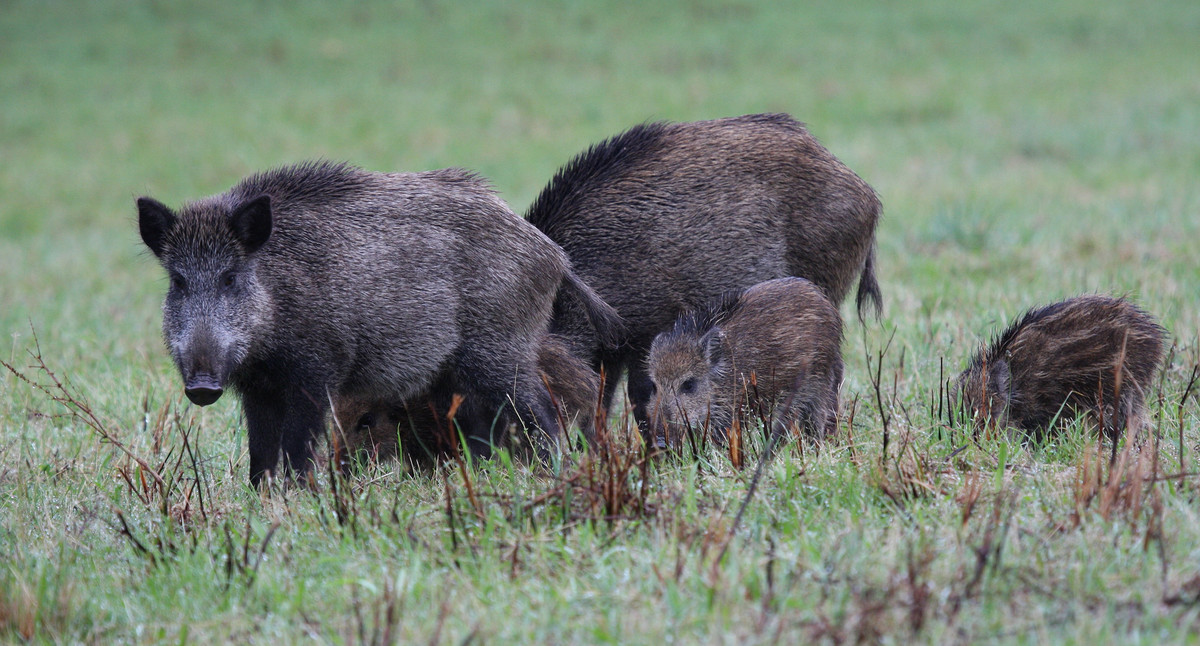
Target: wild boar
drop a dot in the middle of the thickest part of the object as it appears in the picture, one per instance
(1093, 355)
(772, 351)
(321, 279)
(667, 216)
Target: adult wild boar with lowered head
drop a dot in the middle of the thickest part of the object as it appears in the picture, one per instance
(667, 216)
(1093, 355)
(322, 280)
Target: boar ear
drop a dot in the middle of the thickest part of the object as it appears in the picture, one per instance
(252, 222)
(1000, 379)
(714, 346)
(155, 219)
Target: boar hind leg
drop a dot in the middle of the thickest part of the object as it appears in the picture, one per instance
(480, 421)
(813, 411)
(302, 423)
(641, 392)
(479, 418)
(611, 371)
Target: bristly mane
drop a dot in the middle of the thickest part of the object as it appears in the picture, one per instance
(717, 311)
(591, 169)
(314, 182)
(1000, 343)
(780, 119)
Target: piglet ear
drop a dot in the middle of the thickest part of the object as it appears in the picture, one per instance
(1000, 379)
(155, 219)
(251, 222)
(714, 346)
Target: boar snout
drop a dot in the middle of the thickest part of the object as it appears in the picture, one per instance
(204, 367)
(203, 389)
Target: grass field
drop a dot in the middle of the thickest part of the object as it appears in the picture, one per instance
(1024, 152)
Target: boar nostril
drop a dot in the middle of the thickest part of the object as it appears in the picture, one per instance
(203, 390)
(203, 396)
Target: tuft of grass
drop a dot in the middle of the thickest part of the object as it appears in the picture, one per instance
(44, 607)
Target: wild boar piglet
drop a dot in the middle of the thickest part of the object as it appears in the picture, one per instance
(771, 352)
(1093, 355)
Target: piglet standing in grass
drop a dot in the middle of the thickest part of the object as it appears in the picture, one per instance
(320, 281)
(1093, 355)
(770, 352)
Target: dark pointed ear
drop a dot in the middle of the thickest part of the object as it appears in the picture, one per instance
(155, 219)
(252, 222)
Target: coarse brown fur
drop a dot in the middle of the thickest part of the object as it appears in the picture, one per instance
(1093, 355)
(772, 352)
(418, 432)
(665, 217)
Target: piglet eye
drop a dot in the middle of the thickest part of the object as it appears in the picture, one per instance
(177, 282)
(688, 386)
(365, 422)
(228, 280)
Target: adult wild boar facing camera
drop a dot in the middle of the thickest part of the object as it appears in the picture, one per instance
(323, 280)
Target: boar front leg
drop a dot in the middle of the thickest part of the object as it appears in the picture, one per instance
(264, 422)
(288, 421)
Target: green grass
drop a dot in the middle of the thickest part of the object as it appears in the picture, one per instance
(1024, 152)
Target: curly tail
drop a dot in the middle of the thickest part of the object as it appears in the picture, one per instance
(868, 288)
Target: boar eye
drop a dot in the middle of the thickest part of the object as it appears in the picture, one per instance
(228, 280)
(366, 422)
(688, 386)
(177, 282)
